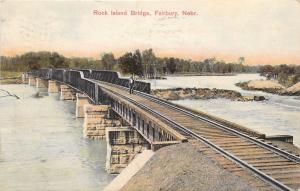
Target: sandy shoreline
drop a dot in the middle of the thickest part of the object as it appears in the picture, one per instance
(271, 86)
(202, 93)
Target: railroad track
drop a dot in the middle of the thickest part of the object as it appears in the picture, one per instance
(237, 152)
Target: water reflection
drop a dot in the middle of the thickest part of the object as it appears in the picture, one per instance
(42, 147)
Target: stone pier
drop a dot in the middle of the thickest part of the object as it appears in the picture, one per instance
(25, 79)
(67, 93)
(53, 86)
(32, 81)
(40, 83)
(123, 144)
(81, 100)
(96, 119)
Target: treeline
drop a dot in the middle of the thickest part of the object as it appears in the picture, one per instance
(287, 75)
(146, 64)
(143, 63)
(36, 60)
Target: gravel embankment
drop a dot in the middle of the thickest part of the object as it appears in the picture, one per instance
(182, 168)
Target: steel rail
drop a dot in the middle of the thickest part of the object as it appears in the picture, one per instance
(228, 155)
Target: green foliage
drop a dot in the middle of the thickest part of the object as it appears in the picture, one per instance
(108, 61)
(285, 74)
(33, 60)
(10, 74)
(171, 66)
(144, 63)
(149, 61)
(131, 63)
(43, 59)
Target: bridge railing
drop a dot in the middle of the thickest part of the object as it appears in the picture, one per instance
(86, 72)
(115, 78)
(58, 74)
(77, 80)
(62, 74)
(44, 73)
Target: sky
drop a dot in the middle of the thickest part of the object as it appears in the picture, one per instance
(262, 31)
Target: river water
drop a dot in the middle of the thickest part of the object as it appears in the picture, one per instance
(277, 115)
(42, 148)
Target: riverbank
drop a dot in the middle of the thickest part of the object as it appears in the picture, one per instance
(12, 80)
(202, 74)
(164, 77)
(202, 93)
(8, 77)
(270, 86)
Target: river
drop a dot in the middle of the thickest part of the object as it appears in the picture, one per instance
(42, 148)
(276, 115)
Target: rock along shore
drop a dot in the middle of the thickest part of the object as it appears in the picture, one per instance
(270, 86)
(202, 93)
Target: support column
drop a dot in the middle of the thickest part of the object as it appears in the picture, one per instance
(53, 86)
(32, 81)
(123, 144)
(67, 93)
(81, 100)
(96, 119)
(25, 79)
(40, 83)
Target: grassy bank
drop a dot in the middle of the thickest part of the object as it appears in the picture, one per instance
(10, 77)
(9, 74)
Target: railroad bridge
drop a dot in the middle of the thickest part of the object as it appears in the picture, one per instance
(135, 122)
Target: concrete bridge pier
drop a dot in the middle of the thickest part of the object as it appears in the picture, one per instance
(67, 93)
(53, 86)
(81, 100)
(123, 144)
(40, 83)
(96, 119)
(31, 81)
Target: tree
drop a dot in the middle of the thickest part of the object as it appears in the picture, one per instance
(108, 61)
(57, 61)
(241, 60)
(171, 65)
(206, 66)
(138, 62)
(267, 71)
(148, 60)
(131, 63)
